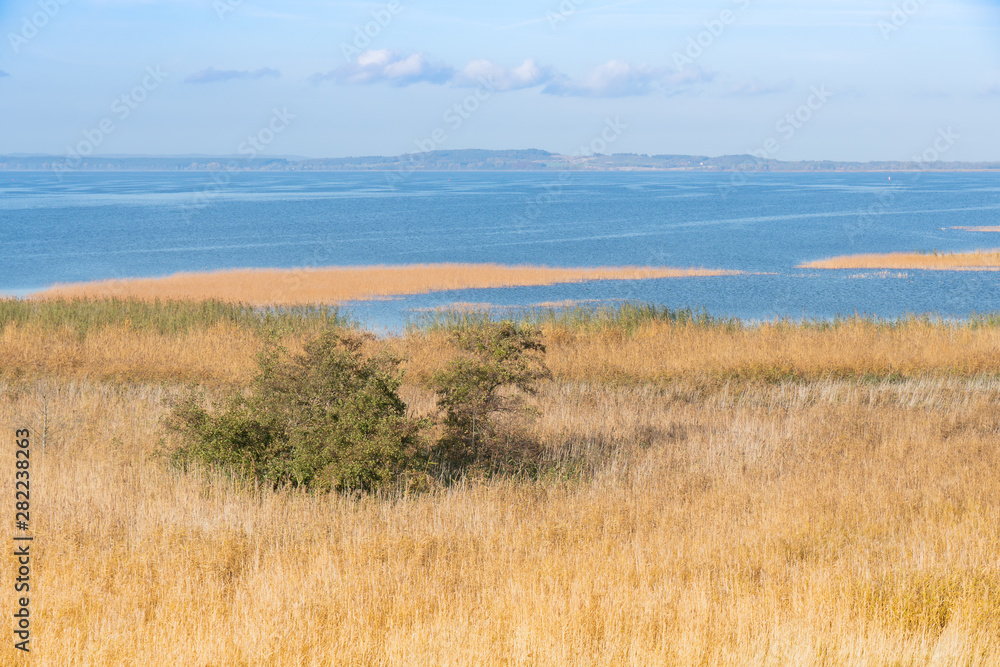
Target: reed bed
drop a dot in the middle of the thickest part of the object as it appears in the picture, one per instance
(638, 343)
(825, 523)
(334, 285)
(80, 316)
(979, 260)
(715, 493)
(629, 344)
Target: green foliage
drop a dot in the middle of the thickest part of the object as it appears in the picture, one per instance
(328, 419)
(478, 393)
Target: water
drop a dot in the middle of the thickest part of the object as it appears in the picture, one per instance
(111, 225)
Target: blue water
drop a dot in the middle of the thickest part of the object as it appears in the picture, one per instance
(110, 225)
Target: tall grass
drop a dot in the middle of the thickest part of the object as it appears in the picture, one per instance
(133, 340)
(631, 343)
(82, 316)
(630, 317)
(825, 523)
(717, 493)
(625, 317)
(645, 343)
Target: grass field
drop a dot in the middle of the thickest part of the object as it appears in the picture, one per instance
(717, 494)
(979, 260)
(340, 284)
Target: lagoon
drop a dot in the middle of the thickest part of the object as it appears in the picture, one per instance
(100, 225)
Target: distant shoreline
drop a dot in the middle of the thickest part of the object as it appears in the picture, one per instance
(474, 160)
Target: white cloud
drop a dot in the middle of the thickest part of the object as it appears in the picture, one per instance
(618, 78)
(526, 75)
(389, 67)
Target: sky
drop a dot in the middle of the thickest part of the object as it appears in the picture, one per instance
(790, 80)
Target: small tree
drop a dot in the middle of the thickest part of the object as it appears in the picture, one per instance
(328, 419)
(492, 357)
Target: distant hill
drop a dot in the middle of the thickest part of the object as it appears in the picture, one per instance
(467, 160)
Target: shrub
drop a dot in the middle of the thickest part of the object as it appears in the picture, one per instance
(478, 393)
(327, 419)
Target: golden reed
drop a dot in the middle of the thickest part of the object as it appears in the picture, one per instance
(224, 354)
(770, 495)
(980, 260)
(338, 284)
(826, 522)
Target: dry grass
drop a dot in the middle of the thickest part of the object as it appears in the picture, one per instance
(220, 354)
(658, 351)
(224, 354)
(337, 285)
(718, 495)
(980, 260)
(826, 523)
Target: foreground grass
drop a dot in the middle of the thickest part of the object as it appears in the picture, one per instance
(980, 260)
(338, 284)
(715, 493)
(823, 523)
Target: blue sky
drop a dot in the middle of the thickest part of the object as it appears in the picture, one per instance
(838, 79)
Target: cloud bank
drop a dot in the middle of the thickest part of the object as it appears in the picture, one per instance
(616, 78)
(385, 66)
(527, 75)
(212, 75)
(754, 88)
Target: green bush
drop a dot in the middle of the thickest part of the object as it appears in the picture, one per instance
(328, 419)
(481, 393)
